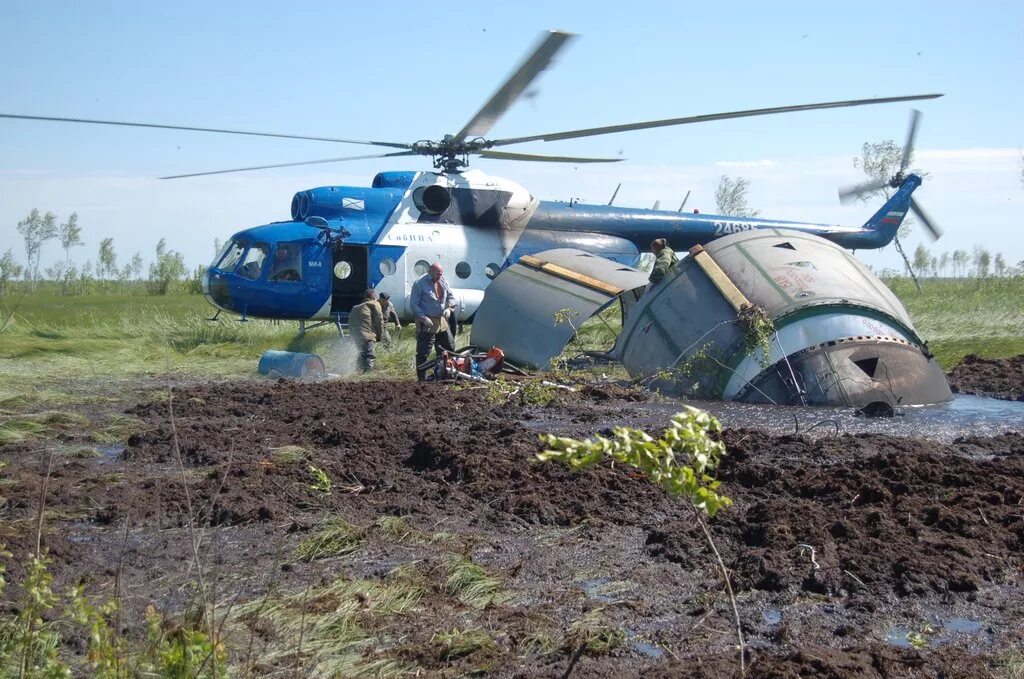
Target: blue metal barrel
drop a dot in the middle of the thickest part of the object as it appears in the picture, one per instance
(291, 364)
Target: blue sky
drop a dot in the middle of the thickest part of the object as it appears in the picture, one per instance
(409, 71)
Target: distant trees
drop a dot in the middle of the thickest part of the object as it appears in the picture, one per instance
(9, 270)
(106, 262)
(731, 197)
(36, 229)
(167, 272)
(167, 268)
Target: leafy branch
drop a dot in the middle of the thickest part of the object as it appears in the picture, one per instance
(681, 462)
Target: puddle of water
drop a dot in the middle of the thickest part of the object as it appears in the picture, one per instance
(111, 451)
(908, 638)
(898, 636)
(964, 415)
(772, 616)
(604, 589)
(642, 646)
(964, 625)
(650, 650)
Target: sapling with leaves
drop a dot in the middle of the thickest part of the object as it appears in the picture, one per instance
(682, 462)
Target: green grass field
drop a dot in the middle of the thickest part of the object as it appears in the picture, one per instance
(55, 347)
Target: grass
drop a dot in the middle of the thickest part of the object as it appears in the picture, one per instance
(337, 537)
(37, 425)
(456, 643)
(59, 351)
(594, 636)
(966, 316)
(290, 454)
(472, 585)
(334, 624)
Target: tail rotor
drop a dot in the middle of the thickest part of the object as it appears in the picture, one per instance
(850, 193)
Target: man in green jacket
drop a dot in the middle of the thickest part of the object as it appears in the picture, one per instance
(665, 260)
(366, 323)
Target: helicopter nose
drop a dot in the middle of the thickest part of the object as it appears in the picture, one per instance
(216, 289)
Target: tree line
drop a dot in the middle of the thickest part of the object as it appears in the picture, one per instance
(167, 272)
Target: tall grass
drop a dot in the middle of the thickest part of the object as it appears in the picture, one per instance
(54, 344)
(966, 315)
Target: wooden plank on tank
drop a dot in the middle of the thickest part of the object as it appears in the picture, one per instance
(570, 275)
(722, 281)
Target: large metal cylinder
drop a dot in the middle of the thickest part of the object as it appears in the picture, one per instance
(841, 336)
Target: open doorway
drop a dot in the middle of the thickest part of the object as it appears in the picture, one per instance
(349, 276)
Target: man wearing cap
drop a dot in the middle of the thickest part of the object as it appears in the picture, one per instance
(367, 327)
(432, 302)
(390, 316)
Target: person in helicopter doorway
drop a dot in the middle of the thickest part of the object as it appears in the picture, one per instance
(390, 316)
(286, 264)
(664, 261)
(366, 324)
(433, 303)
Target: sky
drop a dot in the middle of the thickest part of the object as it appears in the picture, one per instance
(407, 71)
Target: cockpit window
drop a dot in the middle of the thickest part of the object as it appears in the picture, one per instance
(252, 266)
(287, 264)
(232, 255)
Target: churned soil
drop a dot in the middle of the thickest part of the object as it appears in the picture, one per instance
(994, 377)
(851, 556)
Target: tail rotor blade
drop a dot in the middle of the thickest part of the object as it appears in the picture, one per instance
(849, 193)
(908, 148)
(932, 227)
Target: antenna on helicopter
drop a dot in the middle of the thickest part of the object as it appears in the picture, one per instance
(615, 193)
(686, 198)
(849, 193)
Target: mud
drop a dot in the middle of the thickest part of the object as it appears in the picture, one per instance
(994, 377)
(839, 547)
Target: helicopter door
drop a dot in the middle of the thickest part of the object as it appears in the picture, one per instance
(350, 276)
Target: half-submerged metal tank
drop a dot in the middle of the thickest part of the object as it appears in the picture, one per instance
(841, 336)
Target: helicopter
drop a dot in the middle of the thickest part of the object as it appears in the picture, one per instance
(341, 240)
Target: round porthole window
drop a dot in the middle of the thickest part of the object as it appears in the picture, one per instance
(421, 267)
(387, 266)
(463, 269)
(492, 270)
(342, 270)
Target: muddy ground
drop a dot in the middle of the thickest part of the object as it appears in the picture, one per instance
(851, 556)
(994, 377)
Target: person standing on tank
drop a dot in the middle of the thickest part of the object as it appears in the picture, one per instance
(366, 323)
(432, 302)
(664, 261)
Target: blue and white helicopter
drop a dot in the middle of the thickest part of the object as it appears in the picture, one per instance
(341, 240)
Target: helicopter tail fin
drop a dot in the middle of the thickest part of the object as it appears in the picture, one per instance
(886, 222)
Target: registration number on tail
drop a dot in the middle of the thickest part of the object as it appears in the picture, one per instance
(726, 228)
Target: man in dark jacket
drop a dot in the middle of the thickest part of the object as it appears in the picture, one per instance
(366, 324)
(390, 316)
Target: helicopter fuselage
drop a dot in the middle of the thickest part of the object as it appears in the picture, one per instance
(342, 240)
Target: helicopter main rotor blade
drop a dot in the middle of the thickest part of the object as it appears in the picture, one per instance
(932, 227)
(504, 155)
(515, 85)
(611, 129)
(304, 162)
(847, 194)
(123, 123)
(908, 148)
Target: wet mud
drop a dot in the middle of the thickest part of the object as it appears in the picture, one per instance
(852, 556)
(993, 377)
